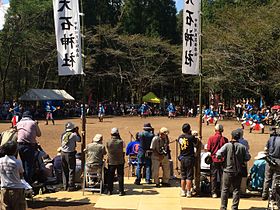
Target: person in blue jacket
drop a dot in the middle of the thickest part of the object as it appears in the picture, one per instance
(144, 109)
(49, 112)
(246, 119)
(257, 172)
(171, 111)
(257, 121)
(101, 112)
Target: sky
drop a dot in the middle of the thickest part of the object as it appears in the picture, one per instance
(179, 6)
(3, 9)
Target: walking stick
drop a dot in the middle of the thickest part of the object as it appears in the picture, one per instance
(176, 151)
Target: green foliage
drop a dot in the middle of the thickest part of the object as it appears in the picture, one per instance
(150, 17)
(133, 47)
(241, 47)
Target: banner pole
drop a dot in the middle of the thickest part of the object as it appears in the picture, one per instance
(83, 145)
(198, 152)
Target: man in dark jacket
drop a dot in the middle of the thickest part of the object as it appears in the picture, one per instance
(235, 156)
(214, 143)
(144, 153)
(273, 150)
(115, 149)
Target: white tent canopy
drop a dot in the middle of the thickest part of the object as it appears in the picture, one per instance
(45, 95)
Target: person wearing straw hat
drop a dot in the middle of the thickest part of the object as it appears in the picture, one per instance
(69, 140)
(160, 148)
(95, 152)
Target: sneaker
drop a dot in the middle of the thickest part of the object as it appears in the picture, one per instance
(149, 182)
(183, 193)
(189, 194)
(71, 189)
(137, 182)
(214, 195)
(264, 197)
(157, 185)
(121, 193)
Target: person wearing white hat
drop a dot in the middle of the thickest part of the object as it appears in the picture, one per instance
(160, 148)
(256, 173)
(69, 140)
(95, 152)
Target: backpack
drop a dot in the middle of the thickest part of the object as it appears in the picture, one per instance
(8, 135)
(240, 168)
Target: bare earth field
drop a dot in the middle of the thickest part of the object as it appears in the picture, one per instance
(50, 139)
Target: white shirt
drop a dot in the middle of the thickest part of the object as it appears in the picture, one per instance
(10, 170)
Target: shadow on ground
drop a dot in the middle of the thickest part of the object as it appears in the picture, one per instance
(252, 208)
(35, 204)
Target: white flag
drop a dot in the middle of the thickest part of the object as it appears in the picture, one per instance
(191, 37)
(68, 39)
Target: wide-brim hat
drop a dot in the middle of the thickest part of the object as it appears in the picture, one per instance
(114, 131)
(69, 126)
(194, 133)
(164, 130)
(260, 155)
(97, 138)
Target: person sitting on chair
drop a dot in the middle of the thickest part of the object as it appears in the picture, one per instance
(95, 152)
(132, 151)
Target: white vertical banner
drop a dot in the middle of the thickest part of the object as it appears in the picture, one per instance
(68, 38)
(191, 37)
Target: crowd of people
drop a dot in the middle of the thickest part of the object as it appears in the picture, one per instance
(228, 158)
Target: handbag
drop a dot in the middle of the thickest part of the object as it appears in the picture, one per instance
(208, 160)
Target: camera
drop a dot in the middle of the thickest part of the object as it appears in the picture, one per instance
(163, 151)
(275, 130)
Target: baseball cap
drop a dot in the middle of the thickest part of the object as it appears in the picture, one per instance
(240, 130)
(147, 126)
(27, 114)
(235, 134)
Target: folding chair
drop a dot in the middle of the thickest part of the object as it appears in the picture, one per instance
(93, 180)
(132, 162)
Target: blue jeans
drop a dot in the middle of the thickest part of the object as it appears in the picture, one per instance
(143, 161)
(27, 156)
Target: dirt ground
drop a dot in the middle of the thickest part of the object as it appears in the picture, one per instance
(50, 139)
